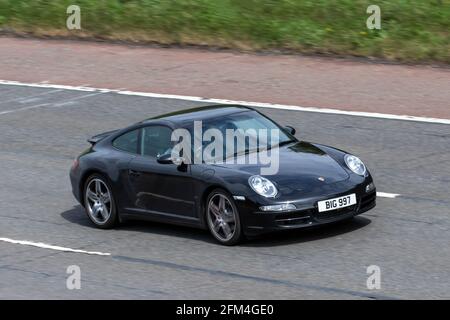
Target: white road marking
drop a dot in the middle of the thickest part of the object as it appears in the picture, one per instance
(52, 105)
(224, 101)
(52, 86)
(388, 195)
(70, 101)
(51, 247)
(31, 98)
(25, 108)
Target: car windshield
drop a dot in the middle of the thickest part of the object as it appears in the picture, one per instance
(247, 132)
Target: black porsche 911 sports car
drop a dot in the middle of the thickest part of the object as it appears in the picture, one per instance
(133, 173)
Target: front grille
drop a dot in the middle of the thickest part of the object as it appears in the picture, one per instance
(294, 218)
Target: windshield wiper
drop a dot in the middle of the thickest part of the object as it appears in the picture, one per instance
(283, 143)
(248, 151)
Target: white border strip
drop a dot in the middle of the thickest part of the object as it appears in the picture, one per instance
(224, 101)
(388, 195)
(51, 247)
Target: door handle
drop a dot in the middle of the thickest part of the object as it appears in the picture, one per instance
(134, 173)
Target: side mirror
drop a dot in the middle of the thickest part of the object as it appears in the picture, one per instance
(165, 159)
(290, 129)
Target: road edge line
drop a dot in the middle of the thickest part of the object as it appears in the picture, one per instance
(246, 103)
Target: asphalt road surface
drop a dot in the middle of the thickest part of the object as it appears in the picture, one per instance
(42, 130)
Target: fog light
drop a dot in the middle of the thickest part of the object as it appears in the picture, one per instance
(279, 207)
(370, 187)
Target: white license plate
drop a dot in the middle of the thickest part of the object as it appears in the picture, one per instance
(337, 203)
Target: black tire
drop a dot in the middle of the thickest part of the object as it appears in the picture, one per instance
(112, 219)
(237, 234)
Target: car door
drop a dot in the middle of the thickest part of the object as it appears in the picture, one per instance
(160, 189)
(125, 148)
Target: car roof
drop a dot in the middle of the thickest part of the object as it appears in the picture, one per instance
(199, 113)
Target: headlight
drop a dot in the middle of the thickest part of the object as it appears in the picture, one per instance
(355, 164)
(262, 186)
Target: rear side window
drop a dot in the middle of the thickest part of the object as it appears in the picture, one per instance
(127, 142)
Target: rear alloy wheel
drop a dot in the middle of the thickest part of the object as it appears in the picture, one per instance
(223, 218)
(99, 202)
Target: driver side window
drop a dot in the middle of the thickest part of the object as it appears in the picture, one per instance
(156, 141)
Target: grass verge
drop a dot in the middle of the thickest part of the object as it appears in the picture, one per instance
(411, 31)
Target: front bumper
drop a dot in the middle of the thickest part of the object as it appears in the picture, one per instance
(75, 183)
(256, 222)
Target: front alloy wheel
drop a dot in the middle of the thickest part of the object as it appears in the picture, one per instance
(223, 218)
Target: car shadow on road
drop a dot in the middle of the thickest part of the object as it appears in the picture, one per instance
(308, 234)
(78, 216)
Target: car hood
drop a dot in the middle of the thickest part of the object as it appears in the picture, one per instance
(302, 167)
